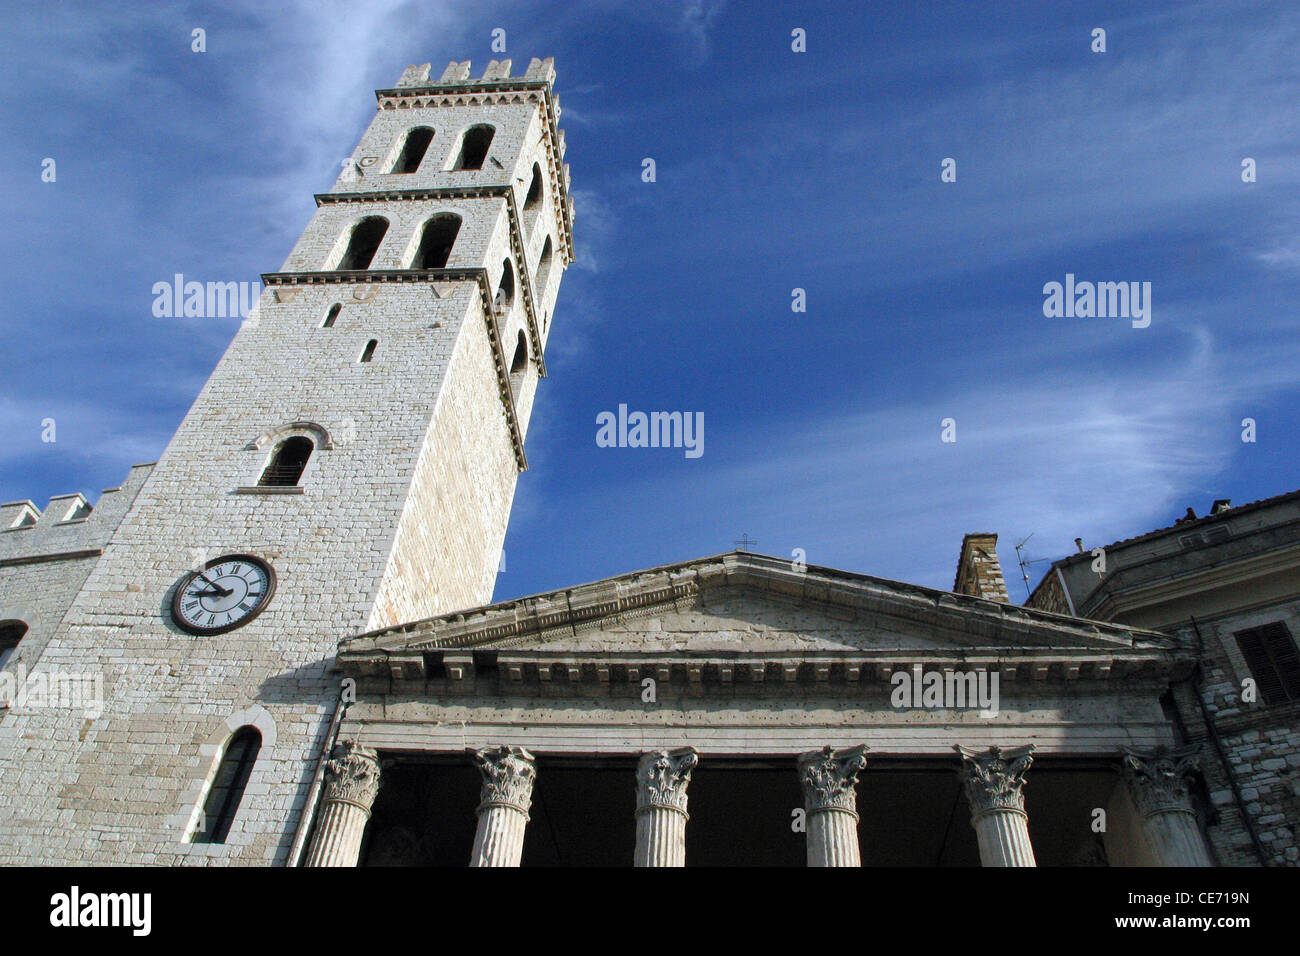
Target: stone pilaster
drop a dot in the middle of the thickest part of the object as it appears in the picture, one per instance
(351, 784)
(1157, 782)
(508, 775)
(829, 779)
(994, 780)
(662, 777)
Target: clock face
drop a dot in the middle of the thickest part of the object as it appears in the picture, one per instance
(228, 593)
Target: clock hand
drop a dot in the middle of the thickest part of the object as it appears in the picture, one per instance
(221, 592)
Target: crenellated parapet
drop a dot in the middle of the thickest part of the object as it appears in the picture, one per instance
(69, 526)
(455, 87)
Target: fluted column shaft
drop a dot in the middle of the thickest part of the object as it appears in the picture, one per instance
(507, 793)
(994, 783)
(1157, 783)
(662, 777)
(351, 784)
(829, 779)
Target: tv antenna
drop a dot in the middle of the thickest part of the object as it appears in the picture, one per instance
(1020, 557)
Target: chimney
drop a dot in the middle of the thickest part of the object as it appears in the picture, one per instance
(978, 571)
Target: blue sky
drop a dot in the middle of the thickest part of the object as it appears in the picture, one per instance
(775, 170)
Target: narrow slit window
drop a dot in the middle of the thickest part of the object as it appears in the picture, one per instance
(363, 245)
(369, 351)
(413, 150)
(332, 316)
(228, 785)
(288, 462)
(436, 242)
(474, 147)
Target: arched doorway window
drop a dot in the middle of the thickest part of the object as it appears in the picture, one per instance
(287, 464)
(228, 785)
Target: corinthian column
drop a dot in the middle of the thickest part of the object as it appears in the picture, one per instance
(1157, 783)
(829, 778)
(351, 783)
(508, 775)
(661, 780)
(994, 780)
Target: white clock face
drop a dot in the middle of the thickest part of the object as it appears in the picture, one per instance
(228, 593)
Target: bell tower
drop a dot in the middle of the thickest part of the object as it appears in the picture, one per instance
(349, 465)
(443, 241)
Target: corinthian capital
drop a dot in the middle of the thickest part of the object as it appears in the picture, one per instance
(508, 775)
(829, 778)
(994, 779)
(352, 775)
(662, 777)
(1158, 780)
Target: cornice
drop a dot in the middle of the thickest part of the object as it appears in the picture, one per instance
(52, 556)
(477, 275)
(1006, 637)
(1107, 600)
(517, 244)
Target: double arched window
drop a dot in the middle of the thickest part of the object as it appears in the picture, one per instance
(519, 364)
(436, 242)
(505, 297)
(474, 145)
(364, 243)
(287, 462)
(227, 790)
(533, 201)
(413, 149)
(543, 271)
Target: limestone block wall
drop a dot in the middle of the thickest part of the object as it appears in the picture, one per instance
(44, 564)
(1261, 741)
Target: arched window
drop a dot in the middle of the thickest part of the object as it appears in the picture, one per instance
(436, 242)
(543, 271)
(11, 632)
(331, 315)
(533, 201)
(505, 297)
(369, 351)
(364, 243)
(474, 147)
(519, 364)
(413, 150)
(228, 785)
(287, 463)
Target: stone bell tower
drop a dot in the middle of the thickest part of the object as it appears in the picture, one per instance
(349, 465)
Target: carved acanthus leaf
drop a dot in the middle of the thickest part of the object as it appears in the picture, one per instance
(829, 778)
(995, 778)
(662, 777)
(352, 775)
(1158, 780)
(508, 775)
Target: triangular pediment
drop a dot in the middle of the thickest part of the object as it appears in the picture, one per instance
(741, 606)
